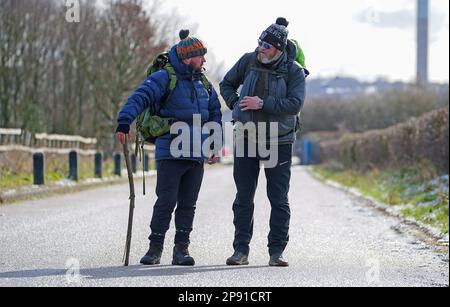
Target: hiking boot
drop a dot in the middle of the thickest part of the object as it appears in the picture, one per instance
(181, 255)
(153, 255)
(238, 258)
(277, 260)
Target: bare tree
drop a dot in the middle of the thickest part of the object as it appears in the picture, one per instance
(121, 46)
(72, 78)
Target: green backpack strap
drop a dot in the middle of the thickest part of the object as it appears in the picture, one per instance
(206, 84)
(172, 77)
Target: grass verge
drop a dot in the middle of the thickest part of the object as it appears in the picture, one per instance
(421, 194)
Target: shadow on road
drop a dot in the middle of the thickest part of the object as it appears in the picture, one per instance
(147, 271)
(130, 271)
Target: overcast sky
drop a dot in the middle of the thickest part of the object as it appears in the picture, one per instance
(362, 38)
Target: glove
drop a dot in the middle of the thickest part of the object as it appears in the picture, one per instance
(124, 128)
(121, 132)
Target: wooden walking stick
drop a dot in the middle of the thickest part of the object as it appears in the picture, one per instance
(132, 199)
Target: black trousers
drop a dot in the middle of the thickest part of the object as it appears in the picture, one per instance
(178, 185)
(246, 173)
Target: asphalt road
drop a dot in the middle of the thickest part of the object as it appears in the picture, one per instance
(78, 240)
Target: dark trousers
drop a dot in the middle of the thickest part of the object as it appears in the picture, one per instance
(178, 185)
(246, 173)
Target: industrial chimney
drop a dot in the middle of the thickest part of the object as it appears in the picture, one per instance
(422, 41)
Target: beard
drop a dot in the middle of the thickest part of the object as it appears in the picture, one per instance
(264, 59)
(196, 68)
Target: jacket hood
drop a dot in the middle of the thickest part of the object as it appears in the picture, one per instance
(183, 70)
(291, 52)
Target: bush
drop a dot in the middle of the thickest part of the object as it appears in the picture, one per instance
(425, 139)
(369, 112)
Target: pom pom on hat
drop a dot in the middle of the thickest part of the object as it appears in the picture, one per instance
(184, 34)
(282, 21)
(189, 46)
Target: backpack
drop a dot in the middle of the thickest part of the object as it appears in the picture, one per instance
(300, 59)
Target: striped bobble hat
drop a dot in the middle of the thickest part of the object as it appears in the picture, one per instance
(189, 46)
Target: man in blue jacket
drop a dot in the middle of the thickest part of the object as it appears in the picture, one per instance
(178, 178)
(273, 92)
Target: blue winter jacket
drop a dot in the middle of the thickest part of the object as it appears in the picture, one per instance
(188, 98)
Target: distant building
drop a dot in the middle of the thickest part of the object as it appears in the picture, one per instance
(422, 41)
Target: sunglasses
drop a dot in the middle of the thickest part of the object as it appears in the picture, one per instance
(264, 44)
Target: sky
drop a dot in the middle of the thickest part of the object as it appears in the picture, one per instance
(366, 39)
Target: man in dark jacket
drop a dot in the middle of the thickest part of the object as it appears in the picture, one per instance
(178, 178)
(273, 92)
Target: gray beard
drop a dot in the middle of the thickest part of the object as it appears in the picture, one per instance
(264, 60)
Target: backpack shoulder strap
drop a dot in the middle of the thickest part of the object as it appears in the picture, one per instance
(172, 76)
(170, 87)
(206, 84)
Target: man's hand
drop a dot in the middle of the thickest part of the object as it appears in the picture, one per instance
(122, 131)
(213, 159)
(121, 137)
(250, 103)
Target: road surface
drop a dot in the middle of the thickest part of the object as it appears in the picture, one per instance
(78, 240)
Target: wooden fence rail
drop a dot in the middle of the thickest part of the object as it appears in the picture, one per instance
(18, 139)
(19, 148)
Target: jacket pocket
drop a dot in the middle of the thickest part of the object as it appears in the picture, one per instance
(286, 124)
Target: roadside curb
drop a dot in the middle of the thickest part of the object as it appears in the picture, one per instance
(430, 232)
(33, 192)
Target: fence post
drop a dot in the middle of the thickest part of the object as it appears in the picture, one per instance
(38, 168)
(315, 158)
(146, 163)
(306, 152)
(98, 165)
(73, 165)
(133, 163)
(117, 164)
